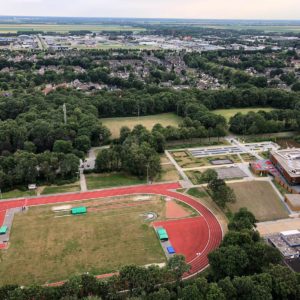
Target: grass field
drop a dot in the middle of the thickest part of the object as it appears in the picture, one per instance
(17, 194)
(168, 173)
(228, 113)
(260, 198)
(13, 28)
(56, 189)
(99, 181)
(115, 124)
(266, 28)
(44, 248)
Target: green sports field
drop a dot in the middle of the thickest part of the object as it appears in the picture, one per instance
(228, 113)
(115, 124)
(49, 247)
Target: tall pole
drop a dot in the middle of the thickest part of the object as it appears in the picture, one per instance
(147, 173)
(65, 113)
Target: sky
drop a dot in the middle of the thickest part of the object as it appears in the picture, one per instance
(197, 9)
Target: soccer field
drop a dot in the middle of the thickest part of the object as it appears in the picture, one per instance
(115, 124)
(47, 248)
(260, 198)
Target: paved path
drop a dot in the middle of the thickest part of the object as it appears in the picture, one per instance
(83, 186)
(188, 183)
(198, 262)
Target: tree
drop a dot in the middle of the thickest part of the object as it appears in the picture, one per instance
(228, 261)
(208, 176)
(61, 146)
(82, 143)
(220, 192)
(243, 219)
(178, 266)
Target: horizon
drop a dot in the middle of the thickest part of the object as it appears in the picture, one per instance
(157, 9)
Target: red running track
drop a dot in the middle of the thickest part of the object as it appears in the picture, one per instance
(206, 230)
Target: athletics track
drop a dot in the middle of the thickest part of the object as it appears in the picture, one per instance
(193, 237)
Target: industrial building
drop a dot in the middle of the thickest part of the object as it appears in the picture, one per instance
(287, 242)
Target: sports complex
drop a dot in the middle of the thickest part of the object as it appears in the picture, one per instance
(108, 223)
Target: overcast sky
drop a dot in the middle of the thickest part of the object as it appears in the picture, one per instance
(202, 9)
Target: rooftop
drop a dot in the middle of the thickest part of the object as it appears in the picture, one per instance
(289, 159)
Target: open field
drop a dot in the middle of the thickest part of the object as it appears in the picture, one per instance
(17, 194)
(13, 28)
(228, 113)
(260, 198)
(115, 124)
(42, 243)
(56, 189)
(266, 28)
(100, 181)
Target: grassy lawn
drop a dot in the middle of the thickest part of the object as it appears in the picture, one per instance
(17, 194)
(194, 176)
(99, 181)
(168, 173)
(247, 157)
(56, 189)
(228, 113)
(44, 248)
(115, 124)
(260, 198)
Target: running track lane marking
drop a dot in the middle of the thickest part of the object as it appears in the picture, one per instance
(198, 264)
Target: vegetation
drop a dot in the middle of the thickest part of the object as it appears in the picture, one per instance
(260, 198)
(105, 180)
(244, 267)
(115, 124)
(231, 112)
(111, 235)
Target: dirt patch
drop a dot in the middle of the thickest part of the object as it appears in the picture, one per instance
(175, 211)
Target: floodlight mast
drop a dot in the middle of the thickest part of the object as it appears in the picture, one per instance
(65, 113)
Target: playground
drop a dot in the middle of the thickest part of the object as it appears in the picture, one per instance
(112, 232)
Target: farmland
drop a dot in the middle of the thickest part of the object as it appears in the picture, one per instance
(62, 28)
(115, 124)
(260, 198)
(41, 242)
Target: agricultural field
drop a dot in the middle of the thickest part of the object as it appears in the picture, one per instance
(228, 113)
(42, 241)
(260, 198)
(186, 161)
(56, 189)
(61, 28)
(100, 181)
(265, 28)
(115, 124)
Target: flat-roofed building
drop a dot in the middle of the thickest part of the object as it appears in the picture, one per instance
(293, 201)
(287, 162)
